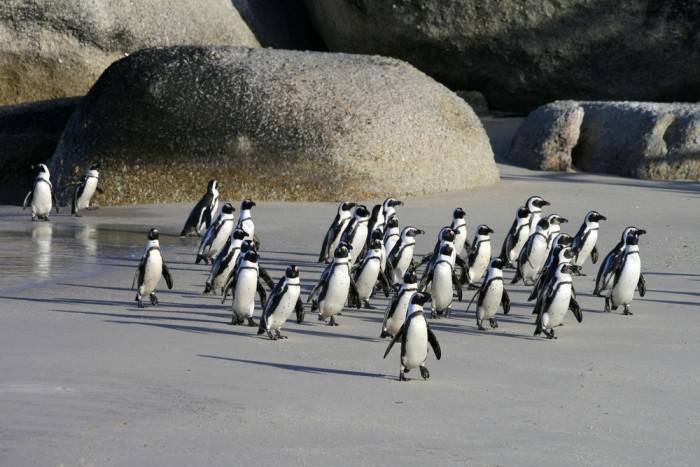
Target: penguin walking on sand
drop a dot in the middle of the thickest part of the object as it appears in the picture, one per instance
(479, 255)
(369, 272)
(225, 262)
(151, 268)
(533, 255)
(334, 287)
(245, 220)
(586, 239)
(246, 246)
(245, 284)
(491, 294)
(560, 254)
(335, 231)
(459, 225)
(395, 313)
(415, 335)
(284, 298)
(516, 237)
(443, 283)
(605, 276)
(627, 275)
(553, 304)
(389, 208)
(401, 255)
(85, 190)
(555, 221)
(356, 232)
(376, 221)
(41, 198)
(203, 212)
(217, 235)
(392, 234)
(534, 204)
(446, 236)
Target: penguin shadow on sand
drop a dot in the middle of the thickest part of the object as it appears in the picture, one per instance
(136, 313)
(302, 368)
(191, 329)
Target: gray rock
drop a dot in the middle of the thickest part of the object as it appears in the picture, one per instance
(274, 125)
(546, 138)
(635, 139)
(476, 101)
(525, 53)
(29, 134)
(57, 48)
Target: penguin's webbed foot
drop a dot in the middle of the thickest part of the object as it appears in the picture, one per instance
(384, 334)
(607, 305)
(280, 336)
(493, 323)
(154, 299)
(433, 314)
(332, 322)
(367, 305)
(448, 312)
(626, 311)
(271, 336)
(251, 322)
(424, 372)
(321, 318)
(139, 303)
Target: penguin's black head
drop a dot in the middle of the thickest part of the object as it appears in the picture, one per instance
(543, 224)
(633, 234)
(378, 234)
(153, 234)
(376, 244)
(595, 216)
(447, 234)
(212, 185)
(347, 206)
(292, 271)
(376, 210)
(567, 253)
(458, 213)
(484, 229)
(419, 298)
(497, 263)
(393, 222)
(564, 239)
(567, 268)
(446, 250)
(410, 276)
(412, 231)
(247, 204)
(536, 201)
(361, 211)
(523, 212)
(228, 208)
(41, 168)
(342, 251)
(247, 245)
(252, 256)
(556, 219)
(239, 234)
(95, 166)
(393, 202)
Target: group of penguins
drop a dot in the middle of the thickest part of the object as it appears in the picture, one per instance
(368, 253)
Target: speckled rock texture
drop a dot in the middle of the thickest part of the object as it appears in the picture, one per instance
(546, 138)
(29, 134)
(273, 125)
(526, 53)
(58, 48)
(635, 139)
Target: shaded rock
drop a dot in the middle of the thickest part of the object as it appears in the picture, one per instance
(272, 125)
(546, 138)
(476, 101)
(522, 54)
(29, 134)
(56, 48)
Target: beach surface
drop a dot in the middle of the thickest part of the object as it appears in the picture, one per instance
(87, 378)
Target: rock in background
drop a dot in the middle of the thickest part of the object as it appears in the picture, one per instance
(522, 54)
(273, 125)
(58, 48)
(633, 139)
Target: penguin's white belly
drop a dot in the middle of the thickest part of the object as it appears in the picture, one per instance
(441, 287)
(403, 263)
(249, 227)
(284, 309)
(553, 232)
(394, 323)
(586, 248)
(390, 242)
(368, 277)
(336, 294)
(41, 199)
(416, 344)
(534, 263)
(88, 192)
(460, 240)
(491, 301)
(246, 287)
(358, 242)
(519, 244)
(558, 308)
(382, 259)
(220, 278)
(623, 291)
(478, 269)
(153, 271)
(220, 241)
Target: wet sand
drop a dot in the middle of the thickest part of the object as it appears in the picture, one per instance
(89, 379)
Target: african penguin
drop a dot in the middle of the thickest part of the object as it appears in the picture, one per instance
(216, 236)
(516, 237)
(395, 313)
(533, 255)
(534, 204)
(400, 257)
(376, 221)
(443, 283)
(389, 207)
(335, 285)
(586, 238)
(627, 275)
(355, 234)
(391, 234)
(151, 268)
(245, 220)
(203, 212)
(561, 254)
(283, 299)
(246, 283)
(84, 191)
(555, 221)
(553, 303)
(246, 246)
(459, 225)
(491, 294)
(479, 255)
(225, 262)
(335, 231)
(415, 335)
(41, 197)
(368, 272)
(605, 275)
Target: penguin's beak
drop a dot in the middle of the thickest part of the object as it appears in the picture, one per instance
(420, 232)
(563, 220)
(641, 232)
(489, 229)
(397, 203)
(545, 203)
(602, 217)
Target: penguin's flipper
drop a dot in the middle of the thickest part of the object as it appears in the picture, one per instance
(433, 342)
(166, 275)
(140, 271)
(642, 285)
(384, 281)
(459, 261)
(472, 300)
(299, 310)
(229, 285)
(505, 302)
(28, 199)
(457, 285)
(354, 294)
(575, 309)
(538, 286)
(261, 293)
(396, 338)
(324, 247)
(262, 324)
(266, 277)
(594, 254)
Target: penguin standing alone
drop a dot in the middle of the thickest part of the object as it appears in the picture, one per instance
(41, 197)
(491, 294)
(283, 299)
(605, 276)
(203, 212)
(83, 193)
(627, 275)
(151, 268)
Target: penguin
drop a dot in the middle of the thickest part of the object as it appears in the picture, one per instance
(203, 212)
(415, 335)
(586, 238)
(84, 191)
(561, 254)
(391, 235)
(225, 262)
(534, 204)
(553, 304)
(41, 197)
(356, 232)
(516, 237)
(246, 282)
(335, 231)
(151, 268)
(378, 234)
(395, 313)
(533, 255)
(376, 221)
(479, 255)
(369, 272)
(443, 283)
(246, 246)
(284, 298)
(555, 221)
(491, 294)
(605, 272)
(627, 275)
(459, 225)
(245, 220)
(335, 285)
(389, 208)
(401, 255)
(216, 236)
(446, 236)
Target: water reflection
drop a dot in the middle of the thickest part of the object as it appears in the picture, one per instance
(88, 239)
(41, 237)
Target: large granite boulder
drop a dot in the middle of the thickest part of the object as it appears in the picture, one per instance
(29, 134)
(58, 48)
(524, 53)
(273, 125)
(634, 139)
